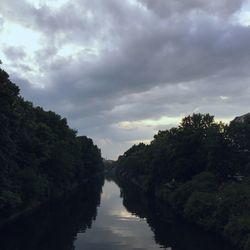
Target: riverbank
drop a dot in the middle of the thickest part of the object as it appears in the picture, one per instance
(54, 225)
(98, 180)
(170, 228)
(174, 197)
(41, 156)
(105, 217)
(201, 168)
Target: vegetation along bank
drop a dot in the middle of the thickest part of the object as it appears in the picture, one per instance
(202, 169)
(40, 156)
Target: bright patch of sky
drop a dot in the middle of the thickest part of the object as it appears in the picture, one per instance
(69, 50)
(16, 35)
(138, 4)
(224, 98)
(145, 141)
(163, 121)
(243, 16)
(55, 4)
(19, 37)
(149, 122)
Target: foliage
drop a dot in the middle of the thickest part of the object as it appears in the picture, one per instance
(40, 155)
(202, 169)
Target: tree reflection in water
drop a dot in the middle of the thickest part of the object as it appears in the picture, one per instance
(170, 231)
(132, 221)
(54, 226)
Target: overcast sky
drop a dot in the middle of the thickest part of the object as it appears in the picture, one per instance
(120, 70)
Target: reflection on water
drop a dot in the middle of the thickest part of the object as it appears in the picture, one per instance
(115, 227)
(134, 221)
(54, 226)
(77, 223)
(170, 231)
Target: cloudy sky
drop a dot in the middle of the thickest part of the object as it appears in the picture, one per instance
(120, 70)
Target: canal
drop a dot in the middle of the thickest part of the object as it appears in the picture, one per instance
(102, 217)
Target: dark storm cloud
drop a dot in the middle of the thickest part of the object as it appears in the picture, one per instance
(171, 7)
(114, 75)
(135, 60)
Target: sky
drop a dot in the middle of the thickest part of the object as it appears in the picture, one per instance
(120, 70)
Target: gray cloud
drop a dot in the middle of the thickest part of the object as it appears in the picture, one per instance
(14, 53)
(221, 8)
(133, 61)
(1, 23)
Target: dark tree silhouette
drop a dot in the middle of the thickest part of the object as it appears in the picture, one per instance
(40, 156)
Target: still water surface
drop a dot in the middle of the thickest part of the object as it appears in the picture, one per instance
(131, 222)
(115, 227)
(98, 218)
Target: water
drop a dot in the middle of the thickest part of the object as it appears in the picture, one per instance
(115, 227)
(113, 219)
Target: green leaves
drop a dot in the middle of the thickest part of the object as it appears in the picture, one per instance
(41, 157)
(202, 169)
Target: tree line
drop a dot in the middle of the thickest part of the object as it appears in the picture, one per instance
(202, 169)
(40, 155)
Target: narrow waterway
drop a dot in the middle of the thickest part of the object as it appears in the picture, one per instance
(108, 217)
(115, 227)
(130, 222)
